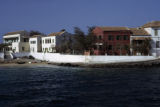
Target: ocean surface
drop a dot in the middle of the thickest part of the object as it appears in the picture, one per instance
(54, 86)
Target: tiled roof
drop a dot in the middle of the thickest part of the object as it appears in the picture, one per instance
(34, 36)
(12, 33)
(139, 32)
(114, 28)
(152, 24)
(55, 33)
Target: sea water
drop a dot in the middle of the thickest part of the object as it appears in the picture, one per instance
(54, 86)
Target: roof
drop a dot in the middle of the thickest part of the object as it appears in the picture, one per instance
(12, 33)
(141, 38)
(139, 32)
(56, 33)
(114, 28)
(152, 24)
(34, 36)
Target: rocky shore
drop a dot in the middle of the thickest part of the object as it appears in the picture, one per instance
(20, 61)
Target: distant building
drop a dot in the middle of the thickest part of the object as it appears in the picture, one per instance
(138, 37)
(18, 41)
(50, 42)
(112, 40)
(153, 28)
(35, 43)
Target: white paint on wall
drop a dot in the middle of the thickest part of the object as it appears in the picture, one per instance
(154, 39)
(35, 44)
(22, 54)
(48, 46)
(59, 58)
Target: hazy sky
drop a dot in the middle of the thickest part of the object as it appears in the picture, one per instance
(53, 15)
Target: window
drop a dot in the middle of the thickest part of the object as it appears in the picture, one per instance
(22, 48)
(157, 44)
(110, 37)
(100, 47)
(100, 37)
(33, 42)
(52, 40)
(26, 40)
(95, 47)
(126, 37)
(118, 37)
(43, 41)
(156, 32)
(47, 41)
(110, 47)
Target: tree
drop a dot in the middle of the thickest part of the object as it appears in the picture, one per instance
(79, 44)
(90, 39)
(146, 46)
(143, 47)
(127, 48)
(33, 32)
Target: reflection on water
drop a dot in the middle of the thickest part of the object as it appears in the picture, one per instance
(48, 86)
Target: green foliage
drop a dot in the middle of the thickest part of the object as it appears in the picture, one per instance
(143, 48)
(77, 43)
(83, 42)
(66, 45)
(33, 32)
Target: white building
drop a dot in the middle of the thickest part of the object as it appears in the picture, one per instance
(50, 42)
(35, 43)
(18, 41)
(153, 28)
(138, 36)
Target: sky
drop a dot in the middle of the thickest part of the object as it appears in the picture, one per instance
(49, 16)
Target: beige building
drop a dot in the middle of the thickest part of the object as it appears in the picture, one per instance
(18, 41)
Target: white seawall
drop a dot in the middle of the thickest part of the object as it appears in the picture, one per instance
(60, 58)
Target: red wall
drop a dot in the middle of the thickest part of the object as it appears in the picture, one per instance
(105, 35)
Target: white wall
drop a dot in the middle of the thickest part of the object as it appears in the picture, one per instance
(155, 51)
(37, 46)
(59, 58)
(15, 46)
(49, 46)
(22, 54)
(1, 55)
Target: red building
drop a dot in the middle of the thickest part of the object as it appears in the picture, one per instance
(112, 40)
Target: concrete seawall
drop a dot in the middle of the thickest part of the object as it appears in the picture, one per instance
(61, 58)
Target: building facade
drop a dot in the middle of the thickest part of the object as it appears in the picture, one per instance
(112, 40)
(35, 43)
(17, 41)
(140, 42)
(53, 40)
(153, 28)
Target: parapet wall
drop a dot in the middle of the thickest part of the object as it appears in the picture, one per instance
(61, 58)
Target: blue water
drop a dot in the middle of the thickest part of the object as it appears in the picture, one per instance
(53, 86)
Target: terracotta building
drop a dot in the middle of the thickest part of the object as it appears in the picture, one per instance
(112, 40)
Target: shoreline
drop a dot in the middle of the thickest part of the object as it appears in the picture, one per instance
(32, 62)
